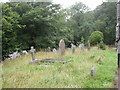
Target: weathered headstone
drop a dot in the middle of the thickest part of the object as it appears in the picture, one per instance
(81, 46)
(18, 54)
(88, 45)
(14, 55)
(93, 71)
(73, 48)
(32, 53)
(48, 49)
(62, 47)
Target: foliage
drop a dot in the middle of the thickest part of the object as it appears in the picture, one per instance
(46, 27)
(101, 45)
(77, 21)
(96, 37)
(43, 24)
(22, 8)
(10, 21)
(82, 41)
(105, 21)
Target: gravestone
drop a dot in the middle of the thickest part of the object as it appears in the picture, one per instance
(14, 55)
(73, 48)
(88, 45)
(18, 54)
(93, 71)
(48, 49)
(54, 50)
(25, 52)
(32, 50)
(81, 46)
(62, 47)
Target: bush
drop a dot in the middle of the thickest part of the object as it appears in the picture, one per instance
(101, 45)
(96, 37)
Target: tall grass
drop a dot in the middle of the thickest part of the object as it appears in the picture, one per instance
(18, 73)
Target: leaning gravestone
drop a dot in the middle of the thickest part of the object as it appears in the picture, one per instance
(73, 48)
(88, 45)
(32, 53)
(62, 47)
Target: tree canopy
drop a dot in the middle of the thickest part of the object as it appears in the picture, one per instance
(43, 24)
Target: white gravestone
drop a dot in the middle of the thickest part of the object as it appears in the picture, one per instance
(32, 53)
(54, 50)
(62, 47)
(25, 52)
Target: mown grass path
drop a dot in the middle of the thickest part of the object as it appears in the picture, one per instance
(18, 73)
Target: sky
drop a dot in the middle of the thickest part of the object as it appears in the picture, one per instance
(92, 4)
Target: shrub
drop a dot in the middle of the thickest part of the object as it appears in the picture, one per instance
(96, 37)
(101, 45)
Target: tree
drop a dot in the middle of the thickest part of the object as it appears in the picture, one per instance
(22, 8)
(77, 20)
(9, 28)
(96, 37)
(105, 21)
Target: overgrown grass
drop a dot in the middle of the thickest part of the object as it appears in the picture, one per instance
(18, 73)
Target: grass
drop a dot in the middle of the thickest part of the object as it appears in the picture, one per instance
(18, 73)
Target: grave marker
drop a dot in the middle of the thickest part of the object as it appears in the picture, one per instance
(93, 71)
(88, 45)
(54, 50)
(62, 47)
(81, 46)
(32, 53)
(73, 48)
(48, 49)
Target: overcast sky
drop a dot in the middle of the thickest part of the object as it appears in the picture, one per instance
(92, 4)
(66, 3)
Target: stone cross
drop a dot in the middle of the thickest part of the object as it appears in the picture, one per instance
(32, 53)
(88, 45)
(62, 47)
(73, 48)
